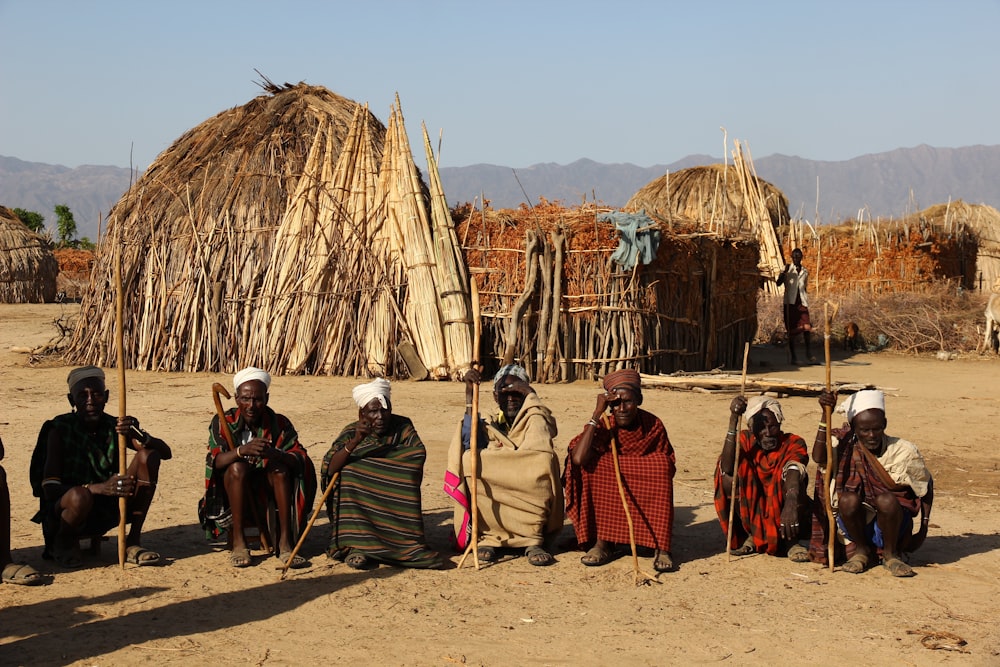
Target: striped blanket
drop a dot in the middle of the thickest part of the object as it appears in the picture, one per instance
(282, 434)
(375, 506)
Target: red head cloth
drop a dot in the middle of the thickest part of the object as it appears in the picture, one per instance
(625, 378)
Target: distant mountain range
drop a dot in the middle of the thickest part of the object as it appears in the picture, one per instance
(882, 184)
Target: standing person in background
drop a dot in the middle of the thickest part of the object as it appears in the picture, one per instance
(647, 463)
(796, 304)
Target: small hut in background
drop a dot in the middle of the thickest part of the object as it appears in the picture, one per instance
(554, 300)
(725, 199)
(28, 268)
(293, 233)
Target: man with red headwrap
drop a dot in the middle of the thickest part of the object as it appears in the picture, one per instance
(646, 461)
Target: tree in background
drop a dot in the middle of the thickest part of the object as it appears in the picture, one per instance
(34, 221)
(66, 226)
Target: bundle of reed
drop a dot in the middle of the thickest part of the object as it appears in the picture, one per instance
(452, 277)
(409, 227)
(28, 268)
(755, 204)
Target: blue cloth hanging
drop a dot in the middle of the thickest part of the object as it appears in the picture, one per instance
(633, 243)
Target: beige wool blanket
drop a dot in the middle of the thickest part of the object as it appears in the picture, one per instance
(519, 492)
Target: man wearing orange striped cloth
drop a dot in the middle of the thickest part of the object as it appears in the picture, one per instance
(772, 509)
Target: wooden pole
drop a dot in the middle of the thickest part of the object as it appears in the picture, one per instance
(640, 576)
(122, 441)
(477, 329)
(312, 520)
(831, 463)
(736, 458)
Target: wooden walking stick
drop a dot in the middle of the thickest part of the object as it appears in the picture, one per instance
(640, 576)
(228, 437)
(736, 459)
(477, 330)
(831, 464)
(312, 520)
(122, 439)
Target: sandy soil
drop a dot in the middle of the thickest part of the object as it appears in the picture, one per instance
(760, 609)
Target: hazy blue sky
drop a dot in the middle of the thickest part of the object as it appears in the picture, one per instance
(512, 83)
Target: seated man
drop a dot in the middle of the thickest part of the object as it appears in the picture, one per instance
(12, 573)
(646, 461)
(375, 509)
(519, 493)
(880, 485)
(772, 508)
(79, 482)
(266, 468)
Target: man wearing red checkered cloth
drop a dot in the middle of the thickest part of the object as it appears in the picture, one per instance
(646, 460)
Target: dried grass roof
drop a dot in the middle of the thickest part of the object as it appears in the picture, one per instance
(199, 229)
(708, 195)
(28, 269)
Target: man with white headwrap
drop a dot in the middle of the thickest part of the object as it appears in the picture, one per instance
(519, 491)
(772, 508)
(881, 485)
(268, 467)
(375, 507)
(74, 472)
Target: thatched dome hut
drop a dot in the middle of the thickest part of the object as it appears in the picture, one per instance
(712, 195)
(28, 269)
(729, 200)
(273, 235)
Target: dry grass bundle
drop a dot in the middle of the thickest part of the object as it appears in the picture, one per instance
(714, 196)
(28, 268)
(552, 299)
(288, 234)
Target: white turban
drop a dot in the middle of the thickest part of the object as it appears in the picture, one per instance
(758, 403)
(857, 403)
(377, 388)
(251, 373)
(83, 373)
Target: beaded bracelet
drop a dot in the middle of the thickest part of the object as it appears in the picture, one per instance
(823, 425)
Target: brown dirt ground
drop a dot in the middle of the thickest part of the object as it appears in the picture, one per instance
(195, 608)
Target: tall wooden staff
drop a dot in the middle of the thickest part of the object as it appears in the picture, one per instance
(312, 520)
(640, 576)
(736, 459)
(831, 463)
(477, 329)
(122, 438)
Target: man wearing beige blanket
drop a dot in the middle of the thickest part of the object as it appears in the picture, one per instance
(519, 492)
